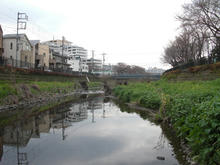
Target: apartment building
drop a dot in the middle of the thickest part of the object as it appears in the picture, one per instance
(78, 58)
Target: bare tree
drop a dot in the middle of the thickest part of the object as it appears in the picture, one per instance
(204, 13)
(122, 68)
(200, 24)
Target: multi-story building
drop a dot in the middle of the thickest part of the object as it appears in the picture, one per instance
(1, 41)
(59, 54)
(24, 55)
(95, 65)
(58, 62)
(78, 58)
(59, 46)
(41, 53)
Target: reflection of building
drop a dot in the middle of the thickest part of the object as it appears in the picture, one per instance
(93, 105)
(41, 124)
(20, 135)
(78, 112)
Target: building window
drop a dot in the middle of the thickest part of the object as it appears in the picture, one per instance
(44, 54)
(11, 45)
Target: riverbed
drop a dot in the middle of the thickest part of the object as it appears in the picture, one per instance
(90, 132)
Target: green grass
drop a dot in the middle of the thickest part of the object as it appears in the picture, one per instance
(95, 84)
(6, 89)
(41, 87)
(53, 86)
(193, 108)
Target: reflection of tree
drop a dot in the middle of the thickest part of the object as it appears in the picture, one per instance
(167, 132)
(170, 134)
(21, 156)
(143, 114)
(161, 142)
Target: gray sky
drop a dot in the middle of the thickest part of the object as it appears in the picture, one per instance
(130, 31)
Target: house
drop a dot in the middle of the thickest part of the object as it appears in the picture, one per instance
(24, 55)
(58, 62)
(1, 41)
(41, 53)
(58, 55)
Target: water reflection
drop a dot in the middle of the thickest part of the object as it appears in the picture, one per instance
(91, 132)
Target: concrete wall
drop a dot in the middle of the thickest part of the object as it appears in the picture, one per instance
(43, 50)
(23, 45)
(8, 52)
(26, 56)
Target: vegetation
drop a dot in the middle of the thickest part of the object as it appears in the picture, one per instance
(199, 35)
(193, 109)
(10, 92)
(95, 85)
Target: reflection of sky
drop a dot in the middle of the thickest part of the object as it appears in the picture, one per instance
(120, 138)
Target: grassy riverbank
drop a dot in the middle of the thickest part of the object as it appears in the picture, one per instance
(192, 107)
(12, 93)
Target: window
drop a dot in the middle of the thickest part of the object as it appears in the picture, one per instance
(44, 54)
(11, 45)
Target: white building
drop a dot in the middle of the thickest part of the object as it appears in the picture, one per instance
(77, 55)
(78, 58)
(56, 46)
(95, 65)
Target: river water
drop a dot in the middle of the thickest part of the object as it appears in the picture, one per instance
(94, 132)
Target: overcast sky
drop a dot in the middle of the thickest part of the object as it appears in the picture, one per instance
(130, 31)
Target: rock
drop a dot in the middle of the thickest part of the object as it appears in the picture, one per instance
(160, 157)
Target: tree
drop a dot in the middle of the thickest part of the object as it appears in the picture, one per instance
(200, 28)
(203, 13)
(122, 68)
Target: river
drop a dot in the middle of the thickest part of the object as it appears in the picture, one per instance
(91, 132)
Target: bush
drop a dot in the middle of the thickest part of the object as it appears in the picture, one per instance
(192, 107)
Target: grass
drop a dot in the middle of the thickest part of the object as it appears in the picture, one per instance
(95, 84)
(6, 89)
(34, 88)
(192, 107)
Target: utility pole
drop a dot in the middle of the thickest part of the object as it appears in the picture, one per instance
(103, 62)
(21, 25)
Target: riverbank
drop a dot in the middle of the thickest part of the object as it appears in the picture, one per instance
(190, 107)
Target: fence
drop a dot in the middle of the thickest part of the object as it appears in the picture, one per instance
(8, 62)
(15, 63)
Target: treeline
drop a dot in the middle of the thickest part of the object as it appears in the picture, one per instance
(122, 68)
(199, 39)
